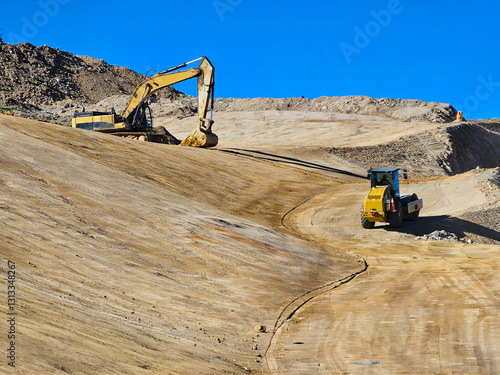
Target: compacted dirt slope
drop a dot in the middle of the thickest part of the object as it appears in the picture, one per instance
(134, 257)
(142, 258)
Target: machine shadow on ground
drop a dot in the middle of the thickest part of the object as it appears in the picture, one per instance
(428, 224)
(288, 160)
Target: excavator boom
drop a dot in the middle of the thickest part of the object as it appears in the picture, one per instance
(153, 84)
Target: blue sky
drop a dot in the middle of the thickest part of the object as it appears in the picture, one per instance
(445, 51)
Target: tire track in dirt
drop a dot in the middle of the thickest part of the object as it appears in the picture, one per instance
(300, 302)
(427, 325)
(291, 309)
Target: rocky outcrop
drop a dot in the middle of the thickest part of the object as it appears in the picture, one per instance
(45, 75)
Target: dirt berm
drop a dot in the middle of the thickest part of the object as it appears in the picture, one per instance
(401, 109)
(451, 149)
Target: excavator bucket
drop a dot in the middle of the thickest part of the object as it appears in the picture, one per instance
(200, 138)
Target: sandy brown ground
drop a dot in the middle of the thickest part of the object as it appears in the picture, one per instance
(142, 258)
(138, 258)
(421, 307)
(277, 129)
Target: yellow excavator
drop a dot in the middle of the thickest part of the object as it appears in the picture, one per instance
(136, 118)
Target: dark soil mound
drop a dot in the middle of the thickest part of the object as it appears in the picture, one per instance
(161, 135)
(45, 75)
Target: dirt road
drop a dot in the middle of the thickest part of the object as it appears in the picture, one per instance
(421, 307)
(143, 258)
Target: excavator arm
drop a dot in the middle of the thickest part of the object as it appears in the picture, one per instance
(202, 136)
(205, 94)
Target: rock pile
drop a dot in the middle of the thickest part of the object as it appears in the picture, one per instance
(442, 235)
(44, 75)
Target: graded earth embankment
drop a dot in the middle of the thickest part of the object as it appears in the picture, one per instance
(134, 257)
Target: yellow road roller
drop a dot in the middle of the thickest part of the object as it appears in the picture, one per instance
(384, 203)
